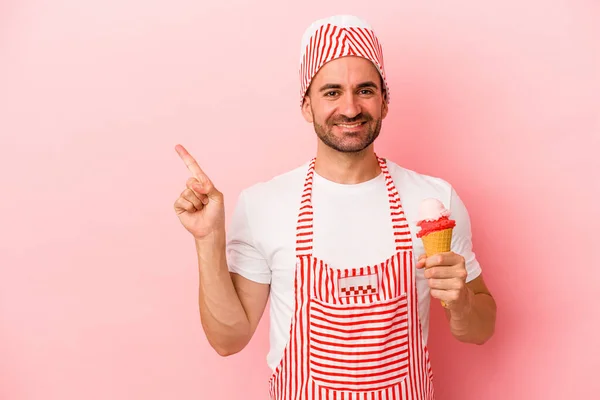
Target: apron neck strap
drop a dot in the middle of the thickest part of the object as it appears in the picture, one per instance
(304, 226)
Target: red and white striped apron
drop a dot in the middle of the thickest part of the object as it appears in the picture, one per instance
(355, 334)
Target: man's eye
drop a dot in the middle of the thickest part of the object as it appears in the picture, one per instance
(331, 94)
(366, 91)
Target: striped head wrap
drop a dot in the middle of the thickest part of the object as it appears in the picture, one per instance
(334, 37)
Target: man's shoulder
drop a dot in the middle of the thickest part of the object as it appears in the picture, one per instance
(406, 176)
(278, 187)
(415, 186)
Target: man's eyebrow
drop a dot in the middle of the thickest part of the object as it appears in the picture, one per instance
(367, 84)
(330, 86)
(361, 85)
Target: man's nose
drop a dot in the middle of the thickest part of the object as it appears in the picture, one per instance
(349, 106)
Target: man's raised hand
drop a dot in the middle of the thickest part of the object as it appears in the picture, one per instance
(200, 206)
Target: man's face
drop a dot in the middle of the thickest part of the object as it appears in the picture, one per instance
(346, 104)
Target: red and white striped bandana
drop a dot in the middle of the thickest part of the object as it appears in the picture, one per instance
(335, 37)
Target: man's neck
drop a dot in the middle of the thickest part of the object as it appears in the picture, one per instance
(346, 168)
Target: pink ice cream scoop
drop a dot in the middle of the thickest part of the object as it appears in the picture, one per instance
(432, 209)
(433, 217)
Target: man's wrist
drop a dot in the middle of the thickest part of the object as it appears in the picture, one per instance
(211, 249)
(463, 313)
(215, 239)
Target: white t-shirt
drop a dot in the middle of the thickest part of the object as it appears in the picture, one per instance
(352, 228)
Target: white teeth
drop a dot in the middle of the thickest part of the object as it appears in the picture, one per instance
(350, 126)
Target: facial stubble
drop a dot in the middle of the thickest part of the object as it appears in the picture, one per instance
(326, 135)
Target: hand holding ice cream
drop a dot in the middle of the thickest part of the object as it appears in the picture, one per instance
(447, 273)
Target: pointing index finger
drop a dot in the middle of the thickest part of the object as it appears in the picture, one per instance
(191, 163)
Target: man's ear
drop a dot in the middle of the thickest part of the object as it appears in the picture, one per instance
(307, 110)
(384, 107)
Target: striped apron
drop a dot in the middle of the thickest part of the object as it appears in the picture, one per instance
(355, 333)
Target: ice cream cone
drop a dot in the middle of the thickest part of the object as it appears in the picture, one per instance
(437, 242)
(436, 228)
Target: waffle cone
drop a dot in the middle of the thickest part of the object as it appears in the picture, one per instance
(437, 242)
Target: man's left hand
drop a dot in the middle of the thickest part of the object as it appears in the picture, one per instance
(446, 274)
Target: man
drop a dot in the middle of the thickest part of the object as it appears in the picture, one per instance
(333, 244)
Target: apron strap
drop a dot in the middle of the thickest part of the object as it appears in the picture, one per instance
(402, 236)
(304, 227)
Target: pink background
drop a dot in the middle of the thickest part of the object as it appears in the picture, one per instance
(98, 280)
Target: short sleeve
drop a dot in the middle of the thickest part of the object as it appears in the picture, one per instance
(461, 236)
(243, 256)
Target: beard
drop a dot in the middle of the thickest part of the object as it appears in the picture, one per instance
(348, 142)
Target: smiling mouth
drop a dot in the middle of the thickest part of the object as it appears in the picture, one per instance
(350, 126)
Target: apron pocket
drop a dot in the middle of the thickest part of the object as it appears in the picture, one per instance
(358, 347)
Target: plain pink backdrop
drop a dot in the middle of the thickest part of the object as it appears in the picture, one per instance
(98, 279)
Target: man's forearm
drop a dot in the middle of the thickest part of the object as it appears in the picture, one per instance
(475, 325)
(223, 317)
